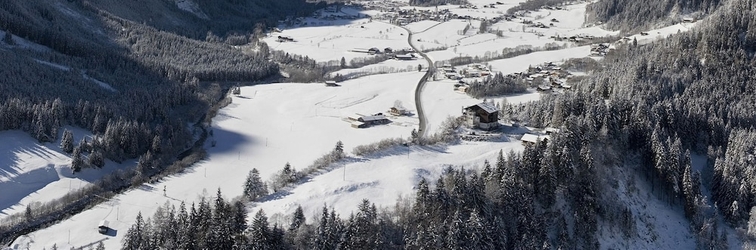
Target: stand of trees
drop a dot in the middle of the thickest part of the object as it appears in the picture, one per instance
(510, 204)
(497, 85)
(632, 15)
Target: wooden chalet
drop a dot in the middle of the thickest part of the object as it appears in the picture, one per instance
(398, 111)
(482, 115)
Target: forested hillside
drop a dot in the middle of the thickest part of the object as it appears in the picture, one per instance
(633, 15)
(135, 74)
(692, 93)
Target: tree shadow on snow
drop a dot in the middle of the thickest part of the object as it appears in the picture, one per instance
(225, 141)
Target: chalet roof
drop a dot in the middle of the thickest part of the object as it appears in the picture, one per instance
(534, 138)
(485, 107)
(552, 130)
(373, 118)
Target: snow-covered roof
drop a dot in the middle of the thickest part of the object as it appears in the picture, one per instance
(552, 130)
(530, 138)
(486, 107)
(534, 138)
(373, 118)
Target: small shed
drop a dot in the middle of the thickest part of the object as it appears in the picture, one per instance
(398, 111)
(405, 57)
(103, 227)
(482, 115)
(533, 139)
(551, 130)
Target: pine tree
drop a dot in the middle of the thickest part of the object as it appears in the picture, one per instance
(96, 158)
(259, 232)
(135, 235)
(76, 159)
(254, 187)
(157, 144)
(298, 219)
(67, 142)
(100, 246)
(239, 218)
(220, 235)
(338, 151)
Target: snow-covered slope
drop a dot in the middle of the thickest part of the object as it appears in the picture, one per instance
(31, 172)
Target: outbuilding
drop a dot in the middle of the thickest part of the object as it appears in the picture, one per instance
(103, 227)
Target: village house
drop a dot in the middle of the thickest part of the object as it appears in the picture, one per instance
(482, 115)
(533, 139)
(398, 111)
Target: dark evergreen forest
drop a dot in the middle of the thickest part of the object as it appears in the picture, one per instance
(633, 15)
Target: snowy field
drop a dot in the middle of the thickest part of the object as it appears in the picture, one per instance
(381, 179)
(38, 173)
(389, 66)
(264, 128)
(327, 40)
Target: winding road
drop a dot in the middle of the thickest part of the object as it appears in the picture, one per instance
(420, 85)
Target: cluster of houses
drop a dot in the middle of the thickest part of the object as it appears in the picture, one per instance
(548, 76)
(600, 49)
(485, 116)
(405, 16)
(471, 71)
(574, 39)
(364, 121)
(403, 54)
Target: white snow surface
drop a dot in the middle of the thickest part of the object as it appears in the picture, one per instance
(40, 172)
(263, 128)
(389, 66)
(382, 179)
(325, 40)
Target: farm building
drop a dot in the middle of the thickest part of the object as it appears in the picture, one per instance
(482, 115)
(533, 139)
(366, 121)
(405, 57)
(398, 111)
(551, 130)
(103, 227)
